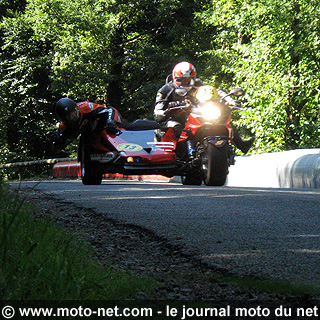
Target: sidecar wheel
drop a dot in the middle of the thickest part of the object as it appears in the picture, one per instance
(192, 177)
(90, 174)
(215, 165)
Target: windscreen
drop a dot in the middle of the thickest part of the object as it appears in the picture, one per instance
(138, 137)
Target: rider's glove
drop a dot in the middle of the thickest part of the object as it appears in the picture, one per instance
(111, 126)
(175, 104)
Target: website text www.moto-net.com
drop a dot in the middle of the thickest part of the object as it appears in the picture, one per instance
(181, 312)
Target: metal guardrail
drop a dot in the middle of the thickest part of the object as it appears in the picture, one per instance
(294, 169)
(35, 162)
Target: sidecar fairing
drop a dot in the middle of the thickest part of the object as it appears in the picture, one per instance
(134, 151)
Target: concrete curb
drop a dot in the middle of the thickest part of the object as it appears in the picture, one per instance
(289, 169)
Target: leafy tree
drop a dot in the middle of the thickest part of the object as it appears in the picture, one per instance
(9, 8)
(25, 61)
(123, 56)
(108, 51)
(274, 55)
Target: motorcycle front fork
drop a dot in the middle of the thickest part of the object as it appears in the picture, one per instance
(194, 153)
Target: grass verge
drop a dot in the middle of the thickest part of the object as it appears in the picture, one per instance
(39, 261)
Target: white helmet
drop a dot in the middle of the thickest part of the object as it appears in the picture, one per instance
(183, 75)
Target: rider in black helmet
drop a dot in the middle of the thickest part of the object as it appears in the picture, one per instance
(67, 110)
(83, 117)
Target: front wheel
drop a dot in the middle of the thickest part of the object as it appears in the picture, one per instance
(90, 175)
(215, 165)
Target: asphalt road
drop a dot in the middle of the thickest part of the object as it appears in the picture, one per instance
(270, 233)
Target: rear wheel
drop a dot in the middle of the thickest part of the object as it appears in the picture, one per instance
(215, 165)
(90, 174)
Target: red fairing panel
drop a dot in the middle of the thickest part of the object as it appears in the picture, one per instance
(130, 144)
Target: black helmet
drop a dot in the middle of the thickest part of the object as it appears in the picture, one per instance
(68, 111)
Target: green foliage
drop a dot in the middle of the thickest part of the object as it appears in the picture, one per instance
(120, 52)
(41, 262)
(106, 51)
(10, 7)
(275, 54)
(25, 63)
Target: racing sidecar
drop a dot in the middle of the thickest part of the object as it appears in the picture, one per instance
(131, 151)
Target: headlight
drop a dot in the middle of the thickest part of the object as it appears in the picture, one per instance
(210, 111)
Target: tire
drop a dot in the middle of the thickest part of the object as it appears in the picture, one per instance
(215, 165)
(90, 175)
(193, 177)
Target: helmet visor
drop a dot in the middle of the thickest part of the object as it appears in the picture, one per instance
(72, 118)
(184, 82)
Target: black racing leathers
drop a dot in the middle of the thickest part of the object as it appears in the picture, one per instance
(167, 95)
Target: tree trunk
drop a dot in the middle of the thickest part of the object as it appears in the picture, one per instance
(115, 86)
(294, 106)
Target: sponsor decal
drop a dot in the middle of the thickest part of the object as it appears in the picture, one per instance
(129, 147)
(219, 143)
